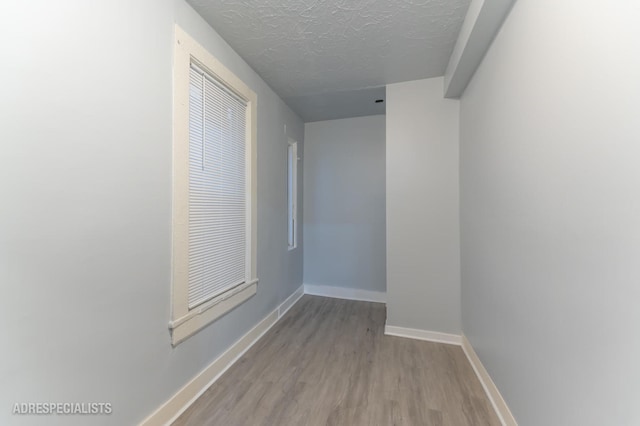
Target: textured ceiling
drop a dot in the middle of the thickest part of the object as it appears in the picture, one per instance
(309, 47)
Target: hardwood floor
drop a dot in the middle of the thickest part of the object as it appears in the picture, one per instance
(328, 362)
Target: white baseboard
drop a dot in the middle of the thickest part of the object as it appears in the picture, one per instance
(431, 336)
(178, 403)
(290, 301)
(490, 388)
(345, 293)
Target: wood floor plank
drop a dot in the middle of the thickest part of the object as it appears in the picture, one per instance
(328, 362)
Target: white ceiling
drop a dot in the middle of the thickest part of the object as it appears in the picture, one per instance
(309, 48)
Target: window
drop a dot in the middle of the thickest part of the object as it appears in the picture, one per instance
(292, 193)
(214, 190)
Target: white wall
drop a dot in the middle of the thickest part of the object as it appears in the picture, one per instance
(423, 256)
(344, 206)
(551, 212)
(85, 225)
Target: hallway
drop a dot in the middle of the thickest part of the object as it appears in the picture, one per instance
(328, 362)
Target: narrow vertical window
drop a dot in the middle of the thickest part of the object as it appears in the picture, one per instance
(292, 192)
(214, 190)
(217, 188)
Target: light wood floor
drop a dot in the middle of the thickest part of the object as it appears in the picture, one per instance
(328, 362)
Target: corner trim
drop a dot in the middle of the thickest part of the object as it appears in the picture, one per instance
(345, 293)
(189, 393)
(430, 336)
(490, 388)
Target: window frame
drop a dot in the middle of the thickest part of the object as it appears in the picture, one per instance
(184, 321)
(292, 204)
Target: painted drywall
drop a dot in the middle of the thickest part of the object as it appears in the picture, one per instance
(550, 212)
(423, 251)
(85, 227)
(344, 205)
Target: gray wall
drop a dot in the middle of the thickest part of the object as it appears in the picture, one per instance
(423, 251)
(551, 212)
(85, 223)
(344, 206)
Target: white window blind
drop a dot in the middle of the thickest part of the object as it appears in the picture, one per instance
(217, 189)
